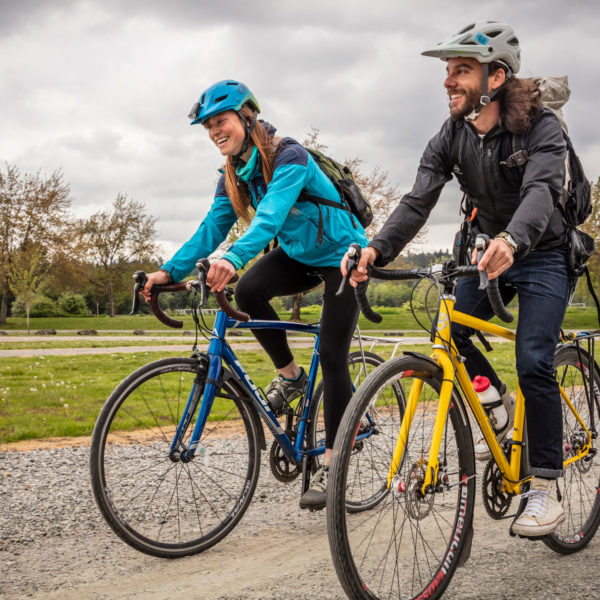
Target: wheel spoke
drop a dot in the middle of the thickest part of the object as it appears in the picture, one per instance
(157, 503)
(398, 546)
(579, 486)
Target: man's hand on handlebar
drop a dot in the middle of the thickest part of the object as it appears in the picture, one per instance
(496, 259)
(368, 256)
(156, 278)
(219, 274)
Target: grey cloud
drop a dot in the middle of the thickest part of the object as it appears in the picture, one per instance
(101, 89)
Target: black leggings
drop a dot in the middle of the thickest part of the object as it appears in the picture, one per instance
(276, 274)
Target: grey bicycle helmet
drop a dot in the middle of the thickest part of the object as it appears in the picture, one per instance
(485, 41)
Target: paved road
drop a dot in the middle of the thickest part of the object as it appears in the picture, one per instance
(296, 342)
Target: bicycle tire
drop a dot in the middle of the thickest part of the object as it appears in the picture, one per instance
(580, 484)
(315, 433)
(408, 544)
(158, 506)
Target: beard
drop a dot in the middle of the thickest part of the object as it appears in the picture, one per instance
(470, 102)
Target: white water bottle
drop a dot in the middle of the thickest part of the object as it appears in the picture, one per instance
(492, 403)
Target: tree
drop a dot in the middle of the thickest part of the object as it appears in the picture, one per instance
(25, 276)
(592, 227)
(34, 211)
(382, 195)
(114, 242)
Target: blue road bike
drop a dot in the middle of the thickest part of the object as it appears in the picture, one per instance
(176, 449)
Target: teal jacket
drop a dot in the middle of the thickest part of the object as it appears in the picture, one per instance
(278, 214)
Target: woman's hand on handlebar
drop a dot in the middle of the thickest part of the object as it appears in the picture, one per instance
(496, 259)
(368, 256)
(219, 274)
(156, 278)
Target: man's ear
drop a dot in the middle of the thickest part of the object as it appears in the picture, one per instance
(497, 79)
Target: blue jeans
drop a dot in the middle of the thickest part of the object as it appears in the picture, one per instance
(541, 282)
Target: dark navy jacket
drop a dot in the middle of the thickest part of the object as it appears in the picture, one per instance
(520, 200)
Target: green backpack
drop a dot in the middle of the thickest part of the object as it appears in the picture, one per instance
(352, 198)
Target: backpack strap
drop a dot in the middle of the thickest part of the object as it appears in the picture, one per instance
(318, 202)
(591, 289)
(484, 342)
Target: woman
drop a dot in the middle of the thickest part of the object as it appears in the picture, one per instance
(267, 175)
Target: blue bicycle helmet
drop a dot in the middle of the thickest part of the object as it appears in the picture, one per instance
(221, 96)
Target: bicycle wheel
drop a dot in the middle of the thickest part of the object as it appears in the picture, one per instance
(409, 543)
(580, 485)
(316, 421)
(164, 507)
(315, 434)
(364, 490)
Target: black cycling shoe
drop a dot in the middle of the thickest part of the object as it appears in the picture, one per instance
(315, 496)
(282, 391)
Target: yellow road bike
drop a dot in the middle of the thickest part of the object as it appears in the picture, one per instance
(410, 544)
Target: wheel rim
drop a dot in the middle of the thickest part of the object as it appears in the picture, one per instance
(579, 487)
(157, 501)
(404, 544)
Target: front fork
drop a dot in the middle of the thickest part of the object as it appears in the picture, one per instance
(204, 388)
(445, 396)
(442, 341)
(201, 390)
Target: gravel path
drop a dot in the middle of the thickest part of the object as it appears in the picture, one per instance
(54, 545)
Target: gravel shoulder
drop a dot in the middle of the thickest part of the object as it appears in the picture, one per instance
(54, 545)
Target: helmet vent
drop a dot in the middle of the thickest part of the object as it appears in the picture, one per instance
(467, 28)
(513, 41)
(493, 34)
(220, 98)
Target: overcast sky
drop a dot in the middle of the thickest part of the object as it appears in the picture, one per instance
(101, 89)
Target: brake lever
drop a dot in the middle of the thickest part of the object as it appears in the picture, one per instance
(354, 252)
(491, 286)
(482, 241)
(203, 266)
(140, 281)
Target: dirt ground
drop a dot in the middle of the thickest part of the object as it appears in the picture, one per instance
(276, 552)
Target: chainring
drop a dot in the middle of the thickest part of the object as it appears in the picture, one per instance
(282, 468)
(496, 501)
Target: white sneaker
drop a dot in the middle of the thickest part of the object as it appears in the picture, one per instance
(482, 451)
(543, 513)
(316, 495)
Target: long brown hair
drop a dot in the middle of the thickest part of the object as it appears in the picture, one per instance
(519, 102)
(237, 191)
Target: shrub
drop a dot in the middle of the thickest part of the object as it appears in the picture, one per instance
(72, 304)
(41, 306)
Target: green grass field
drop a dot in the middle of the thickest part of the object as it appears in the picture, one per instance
(395, 319)
(61, 396)
(56, 396)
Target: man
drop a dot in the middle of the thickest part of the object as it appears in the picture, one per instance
(508, 154)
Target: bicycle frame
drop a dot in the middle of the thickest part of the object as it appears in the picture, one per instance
(219, 351)
(447, 357)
